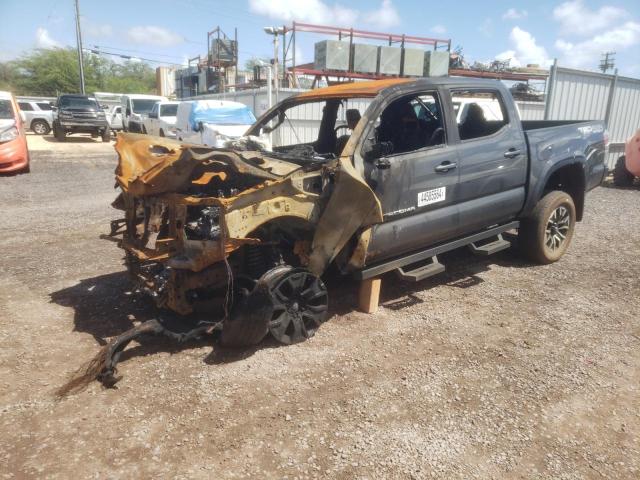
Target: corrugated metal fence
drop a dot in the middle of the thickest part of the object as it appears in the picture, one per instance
(581, 95)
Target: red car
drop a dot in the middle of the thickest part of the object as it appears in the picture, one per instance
(628, 165)
(14, 155)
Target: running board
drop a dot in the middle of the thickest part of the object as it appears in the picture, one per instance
(490, 248)
(377, 269)
(418, 274)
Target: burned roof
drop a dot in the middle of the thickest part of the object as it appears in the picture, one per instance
(371, 88)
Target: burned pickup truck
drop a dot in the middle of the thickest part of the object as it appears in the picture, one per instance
(368, 177)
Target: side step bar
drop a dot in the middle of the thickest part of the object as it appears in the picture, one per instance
(490, 248)
(415, 257)
(419, 273)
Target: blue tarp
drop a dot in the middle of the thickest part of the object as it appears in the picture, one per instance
(209, 112)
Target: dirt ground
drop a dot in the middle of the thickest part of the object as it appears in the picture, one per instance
(495, 369)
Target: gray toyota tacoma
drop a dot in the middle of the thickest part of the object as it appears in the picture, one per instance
(369, 177)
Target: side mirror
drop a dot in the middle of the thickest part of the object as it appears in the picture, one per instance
(373, 150)
(199, 127)
(128, 111)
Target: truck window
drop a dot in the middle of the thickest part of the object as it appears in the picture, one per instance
(25, 106)
(479, 113)
(411, 123)
(168, 110)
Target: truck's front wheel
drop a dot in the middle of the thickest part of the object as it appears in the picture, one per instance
(58, 132)
(545, 235)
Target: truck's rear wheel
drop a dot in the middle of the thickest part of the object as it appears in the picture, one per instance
(621, 176)
(545, 235)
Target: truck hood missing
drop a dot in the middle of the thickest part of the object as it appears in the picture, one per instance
(168, 189)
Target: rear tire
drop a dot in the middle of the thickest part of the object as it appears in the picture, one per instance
(621, 176)
(106, 135)
(40, 127)
(545, 235)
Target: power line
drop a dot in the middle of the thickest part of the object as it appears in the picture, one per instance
(135, 51)
(131, 57)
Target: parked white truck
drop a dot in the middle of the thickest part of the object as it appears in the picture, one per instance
(212, 122)
(162, 119)
(135, 108)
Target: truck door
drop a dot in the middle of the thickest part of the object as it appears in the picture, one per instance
(492, 159)
(413, 170)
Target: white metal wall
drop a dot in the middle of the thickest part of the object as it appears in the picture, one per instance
(530, 110)
(582, 95)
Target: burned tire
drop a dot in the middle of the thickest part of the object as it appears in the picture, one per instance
(40, 127)
(290, 303)
(545, 235)
(621, 176)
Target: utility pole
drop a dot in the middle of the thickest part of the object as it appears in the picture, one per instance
(79, 44)
(275, 31)
(607, 62)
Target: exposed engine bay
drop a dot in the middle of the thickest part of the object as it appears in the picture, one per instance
(202, 226)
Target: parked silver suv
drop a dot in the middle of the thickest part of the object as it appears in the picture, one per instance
(38, 114)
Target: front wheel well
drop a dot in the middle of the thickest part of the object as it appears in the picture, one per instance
(570, 179)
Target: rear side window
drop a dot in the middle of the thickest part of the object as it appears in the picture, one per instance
(168, 110)
(25, 106)
(478, 113)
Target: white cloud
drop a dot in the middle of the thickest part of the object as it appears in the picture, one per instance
(98, 30)
(514, 14)
(439, 29)
(586, 54)
(318, 11)
(576, 18)
(525, 50)
(44, 40)
(313, 11)
(385, 17)
(153, 35)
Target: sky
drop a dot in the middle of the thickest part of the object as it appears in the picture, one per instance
(576, 32)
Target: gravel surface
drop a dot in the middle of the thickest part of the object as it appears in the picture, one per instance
(495, 369)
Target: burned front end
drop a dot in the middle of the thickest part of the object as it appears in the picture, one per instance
(198, 220)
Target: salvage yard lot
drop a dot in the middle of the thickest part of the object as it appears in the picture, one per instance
(496, 368)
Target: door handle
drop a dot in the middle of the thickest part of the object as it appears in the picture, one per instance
(512, 153)
(445, 167)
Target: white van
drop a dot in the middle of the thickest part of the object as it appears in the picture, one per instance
(212, 122)
(135, 108)
(162, 120)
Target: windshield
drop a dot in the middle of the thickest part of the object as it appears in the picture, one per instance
(320, 127)
(168, 110)
(6, 110)
(143, 106)
(78, 102)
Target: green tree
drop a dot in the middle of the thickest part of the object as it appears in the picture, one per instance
(48, 72)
